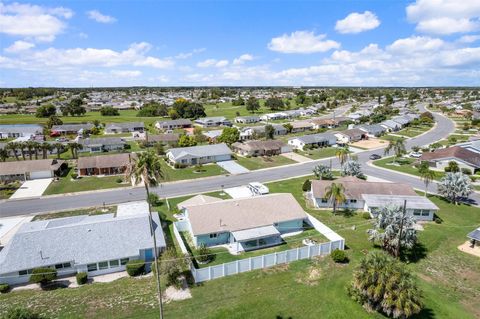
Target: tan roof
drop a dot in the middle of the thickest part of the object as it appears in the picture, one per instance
(455, 152)
(104, 161)
(301, 124)
(246, 213)
(260, 145)
(167, 137)
(198, 200)
(324, 121)
(22, 167)
(355, 187)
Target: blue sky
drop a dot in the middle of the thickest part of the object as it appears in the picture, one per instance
(160, 43)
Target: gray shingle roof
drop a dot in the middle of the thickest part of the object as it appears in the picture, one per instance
(316, 138)
(124, 125)
(201, 151)
(72, 127)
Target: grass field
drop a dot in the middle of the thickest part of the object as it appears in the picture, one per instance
(319, 152)
(403, 166)
(259, 162)
(449, 279)
(413, 131)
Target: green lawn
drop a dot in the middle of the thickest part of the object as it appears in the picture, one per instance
(67, 185)
(449, 279)
(413, 131)
(319, 153)
(259, 162)
(404, 165)
(172, 174)
(7, 190)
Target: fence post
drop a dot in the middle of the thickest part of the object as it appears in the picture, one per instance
(263, 261)
(308, 250)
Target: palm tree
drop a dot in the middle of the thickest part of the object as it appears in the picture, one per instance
(36, 147)
(74, 147)
(342, 154)
(13, 146)
(426, 174)
(455, 186)
(30, 145)
(22, 149)
(3, 155)
(45, 147)
(59, 147)
(397, 146)
(336, 194)
(147, 166)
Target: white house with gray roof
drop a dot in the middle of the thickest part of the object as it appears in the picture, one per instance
(20, 130)
(97, 244)
(315, 140)
(126, 127)
(201, 154)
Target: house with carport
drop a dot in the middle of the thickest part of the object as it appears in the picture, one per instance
(113, 164)
(201, 154)
(313, 140)
(440, 159)
(28, 170)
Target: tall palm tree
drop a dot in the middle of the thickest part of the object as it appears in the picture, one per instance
(59, 147)
(342, 154)
(22, 146)
(13, 147)
(74, 147)
(426, 174)
(336, 194)
(3, 154)
(397, 146)
(36, 147)
(147, 167)
(46, 147)
(30, 145)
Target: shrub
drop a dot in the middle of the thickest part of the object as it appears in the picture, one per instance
(135, 267)
(366, 215)
(437, 220)
(119, 180)
(466, 171)
(4, 288)
(43, 275)
(204, 254)
(307, 185)
(74, 175)
(171, 265)
(82, 278)
(339, 256)
(447, 169)
(153, 199)
(21, 313)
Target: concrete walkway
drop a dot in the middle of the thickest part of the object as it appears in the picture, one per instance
(233, 167)
(33, 188)
(296, 157)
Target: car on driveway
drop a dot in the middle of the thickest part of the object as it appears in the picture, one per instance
(375, 157)
(415, 154)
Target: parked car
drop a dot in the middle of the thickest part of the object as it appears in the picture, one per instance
(258, 188)
(375, 157)
(415, 154)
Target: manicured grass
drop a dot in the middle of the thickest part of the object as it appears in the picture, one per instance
(67, 185)
(404, 165)
(7, 190)
(259, 162)
(449, 279)
(176, 174)
(319, 153)
(413, 131)
(391, 137)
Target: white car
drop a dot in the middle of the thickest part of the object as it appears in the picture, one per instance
(258, 188)
(415, 154)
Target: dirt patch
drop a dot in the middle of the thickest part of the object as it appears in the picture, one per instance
(173, 293)
(370, 143)
(276, 269)
(311, 277)
(465, 247)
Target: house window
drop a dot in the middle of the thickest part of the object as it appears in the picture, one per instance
(25, 272)
(213, 235)
(425, 212)
(353, 201)
(123, 261)
(114, 263)
(103, 265)
(416, 212)
(91, 267)
(64, 265)
(324, 200)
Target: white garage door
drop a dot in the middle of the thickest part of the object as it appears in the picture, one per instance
(40, 174)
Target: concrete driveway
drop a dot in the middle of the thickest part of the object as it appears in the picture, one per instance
(33, 188)
(233, 167)
(238, 192)
(296, 157)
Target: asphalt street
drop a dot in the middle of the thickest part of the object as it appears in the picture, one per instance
(443, 127)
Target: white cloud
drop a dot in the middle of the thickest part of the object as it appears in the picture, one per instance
(99, 17)
(212, 62)
(444, 17)
(469, 38)
(126, 73)
(242, 59)
(302, 42)
(357, 22)
(186, 55)
(415, 44)
(19, 46)
(26, 20)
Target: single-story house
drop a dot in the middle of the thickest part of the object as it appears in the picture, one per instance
(245, 224)
(20, 130)
(213, 121)
(247, 119)
(98, 244)
(261, 148)
(370, 196)
(373, 130)
(167, 138)
(464, 157)
(301, 126)
(474, 236)
(173, 124)
(402, 120)
(126, 127)
(113, 164)
(351, 136)
(201, 154)
(314, 140)
(251, 132)
(323, 123)
(273, 116)
(28, 170)
(103, 144)
(67, 129)
(391, 126)
(472, 145)
(212, 135)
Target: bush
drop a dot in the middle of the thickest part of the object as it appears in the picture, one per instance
(4, 288)
(437, 220)
(119, 180)
(339, 256)
(366, 215)
(179, 165)
(204, 254)
(307, 185)
(74, 175)
(82, 278)
(43, 275)
(466, 171)
(135, 267)
(171, 266)
(447, 169)
(21, 313)
(153, 199)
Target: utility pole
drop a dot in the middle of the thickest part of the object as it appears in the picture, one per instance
(397, 253)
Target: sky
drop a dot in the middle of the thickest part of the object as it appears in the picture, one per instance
(240, 43)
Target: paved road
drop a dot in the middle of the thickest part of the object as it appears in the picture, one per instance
(45, 204)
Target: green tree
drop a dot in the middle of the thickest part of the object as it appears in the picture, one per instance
(229, 135)
(74, 147)
(352, 168)
(269, 132)
(109, 111)
(335, 193)
(46, 111)
(426, 174)
(383, 284)
(454, 186)
(452, 167)
(43, 276)
(274, 103)
(172, 265)
(252, 104)
(3, 154)
(13, 147)
(186, 141)
(323, 172)
(288, 127)
(147, 167)
(53, 120)
(398, 148)
(342, 154)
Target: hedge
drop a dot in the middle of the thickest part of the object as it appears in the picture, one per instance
(4, 288)
(82, 278)
(135, 267)
(339, 256)
(43, 275)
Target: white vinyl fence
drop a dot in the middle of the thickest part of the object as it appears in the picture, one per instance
(268, 260)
